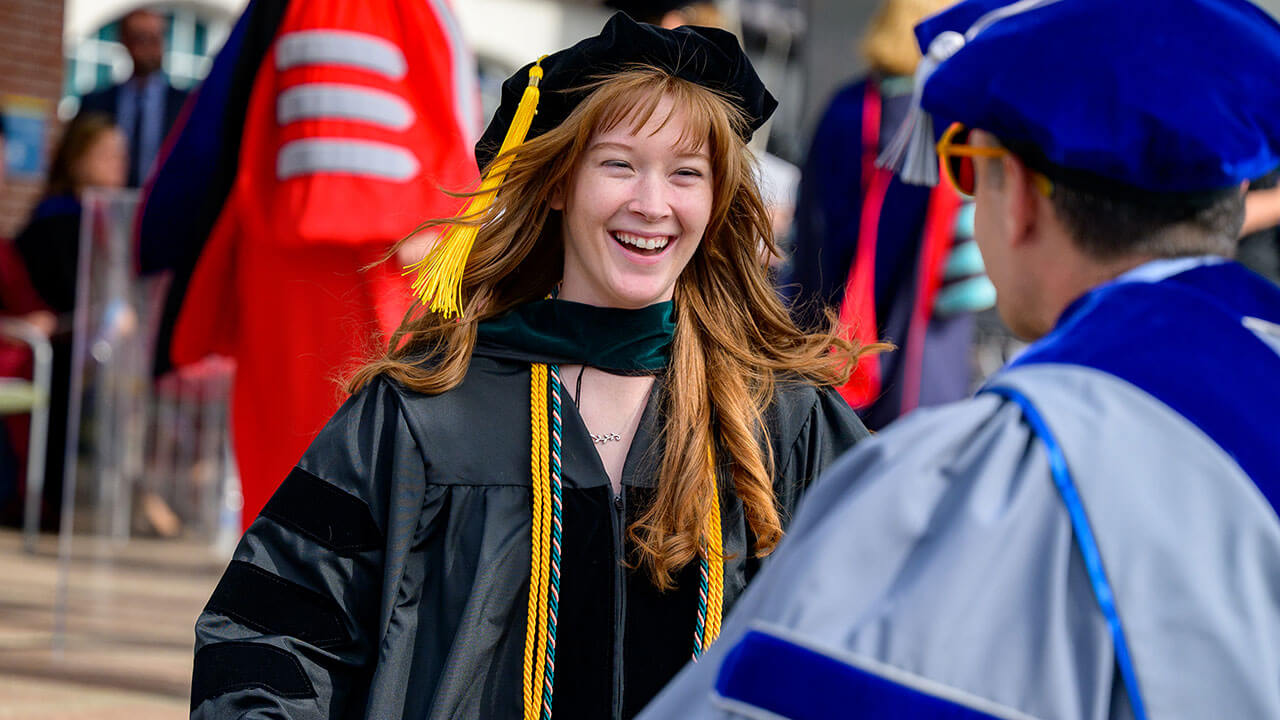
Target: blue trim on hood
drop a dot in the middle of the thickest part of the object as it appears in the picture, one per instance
(1183, 340)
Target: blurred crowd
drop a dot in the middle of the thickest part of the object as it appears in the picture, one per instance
(110, 145)
(895, 262)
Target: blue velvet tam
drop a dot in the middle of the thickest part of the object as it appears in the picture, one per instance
(1137, 97)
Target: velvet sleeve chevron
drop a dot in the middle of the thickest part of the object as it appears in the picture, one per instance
(293, 627)
(813, 428)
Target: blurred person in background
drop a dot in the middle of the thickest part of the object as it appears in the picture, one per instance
(578, 445)
(671, 14)
(1095, 535)
(91, 153)
(18, 301)
(896, 261)
(146, 105)
(325, 131)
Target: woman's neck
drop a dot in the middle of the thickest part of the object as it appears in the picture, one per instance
(611, 407)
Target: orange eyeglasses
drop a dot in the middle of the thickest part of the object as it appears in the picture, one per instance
(957, 156)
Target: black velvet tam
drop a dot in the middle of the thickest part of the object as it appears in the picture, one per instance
(708, 56)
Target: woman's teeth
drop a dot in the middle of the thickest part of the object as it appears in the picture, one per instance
(654, 243)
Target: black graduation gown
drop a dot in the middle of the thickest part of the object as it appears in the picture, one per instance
(50, 247)
(388, 576)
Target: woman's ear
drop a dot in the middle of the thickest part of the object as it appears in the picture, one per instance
(556, 201)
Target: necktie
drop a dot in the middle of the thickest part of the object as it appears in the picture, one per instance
(135, 137)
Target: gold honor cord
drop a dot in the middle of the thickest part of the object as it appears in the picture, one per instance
(535, 639)
(706, 627)
(715, 567)
(544, 532)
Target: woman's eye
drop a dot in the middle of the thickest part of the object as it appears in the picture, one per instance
(617, 164)
(689, 172)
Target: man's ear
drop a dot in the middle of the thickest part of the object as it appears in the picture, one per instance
(556, 201)
(1023, 209)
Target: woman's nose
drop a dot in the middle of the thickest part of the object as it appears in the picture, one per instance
(650, 199)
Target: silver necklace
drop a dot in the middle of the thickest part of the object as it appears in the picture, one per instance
(596, 438)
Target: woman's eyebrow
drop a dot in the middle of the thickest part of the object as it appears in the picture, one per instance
(700, 152)
(608, 144)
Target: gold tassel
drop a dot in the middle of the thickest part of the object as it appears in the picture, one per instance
(439, 280)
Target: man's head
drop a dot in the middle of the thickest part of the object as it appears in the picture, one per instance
(142, 33)
(1136, 149)
(1045, 240)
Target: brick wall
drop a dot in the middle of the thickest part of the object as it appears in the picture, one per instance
(30, 66)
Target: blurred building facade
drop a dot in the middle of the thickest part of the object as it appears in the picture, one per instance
(30, 86)
(95, 58)
(52, 53)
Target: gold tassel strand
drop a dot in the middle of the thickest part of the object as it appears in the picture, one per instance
(439, 281)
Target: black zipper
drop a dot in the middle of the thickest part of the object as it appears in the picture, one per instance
(618, 518)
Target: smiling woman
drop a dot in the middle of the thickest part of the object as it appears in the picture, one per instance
(530, 500)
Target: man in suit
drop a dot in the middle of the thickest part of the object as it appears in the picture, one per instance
(146, 105)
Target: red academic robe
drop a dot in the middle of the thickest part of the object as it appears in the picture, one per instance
(280, 284)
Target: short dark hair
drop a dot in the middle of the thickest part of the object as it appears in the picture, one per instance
(1171, 225)
(1109, 222)
(126, 20)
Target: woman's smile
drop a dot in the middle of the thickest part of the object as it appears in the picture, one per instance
(644, 249)
(647, 245)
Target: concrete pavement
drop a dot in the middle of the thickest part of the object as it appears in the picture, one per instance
(129, 628)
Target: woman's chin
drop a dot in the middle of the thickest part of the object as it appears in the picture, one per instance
(617, 286)
(641, 295)
(625, 299)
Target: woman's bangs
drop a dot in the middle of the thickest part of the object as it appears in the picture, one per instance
(635, 101)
